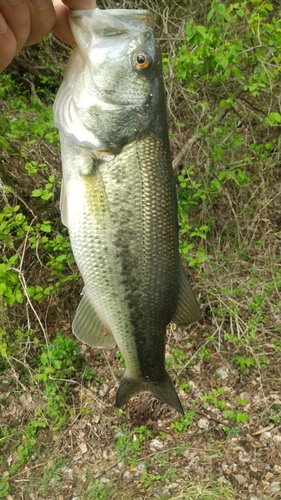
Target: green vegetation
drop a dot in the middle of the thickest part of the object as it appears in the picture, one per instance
(60, 435)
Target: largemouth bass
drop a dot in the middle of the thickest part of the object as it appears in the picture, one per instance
(118, 196)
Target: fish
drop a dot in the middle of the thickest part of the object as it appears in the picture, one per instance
(118, 197)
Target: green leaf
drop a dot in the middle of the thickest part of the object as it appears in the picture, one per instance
(46, 228)
(210, 15)
(19, 297)
(224, 62)
(36, 193)
(221, 9)
(13, 259)
(273, 118)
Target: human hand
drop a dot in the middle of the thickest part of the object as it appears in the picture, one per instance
(25, 22)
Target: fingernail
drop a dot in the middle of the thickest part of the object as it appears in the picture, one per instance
(3, 24)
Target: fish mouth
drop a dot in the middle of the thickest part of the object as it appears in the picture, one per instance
(136, 18)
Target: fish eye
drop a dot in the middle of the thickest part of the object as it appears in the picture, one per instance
(142, 60)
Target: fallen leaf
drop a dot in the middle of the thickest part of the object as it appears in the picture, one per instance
(83, 448)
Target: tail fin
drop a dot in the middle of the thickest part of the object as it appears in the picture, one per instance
(164, 390)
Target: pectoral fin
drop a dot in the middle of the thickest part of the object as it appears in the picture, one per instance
(187, 308)
(63, 205)
(88, 327)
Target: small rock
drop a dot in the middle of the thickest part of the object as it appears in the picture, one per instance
(192, 385)
(104, 480)
(161, 493)
(253, 468)
(274, 487)
(166, 492)
(82, 424)
(223, 372)
(83, 448)
(244, 395)
(67, 470)
(155, 445)
(172, 486)
(267, 435)
(203, 423)
(25, 400)
(105, 387)
(277, 440)
(127, 475)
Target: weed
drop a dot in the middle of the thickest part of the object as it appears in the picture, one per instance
(178, 358)
(148, 480)
(127, 445)
(231, 432)
(233, 413)
(89, 374)
(236, 416)
(47, 192)
(4, 486)
(59, 361)
(184, 423)
(99, 491)
(214, 398)
(53, 472)
(245, 362)
(121, 359)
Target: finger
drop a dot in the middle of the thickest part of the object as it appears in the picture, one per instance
(80, 4)
(62, 28)
(43, 18)
(8, 44)
(17, 16)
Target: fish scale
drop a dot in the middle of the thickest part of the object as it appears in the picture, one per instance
(118, 197)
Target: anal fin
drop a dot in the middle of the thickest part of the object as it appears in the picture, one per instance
(187, 309)
(88, 328)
